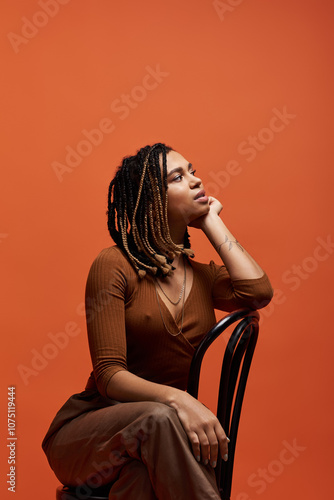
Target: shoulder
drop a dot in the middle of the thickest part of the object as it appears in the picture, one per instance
(112, 260)
(209, 271)
(113, 254)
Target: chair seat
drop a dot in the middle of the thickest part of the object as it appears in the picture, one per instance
(66, 493)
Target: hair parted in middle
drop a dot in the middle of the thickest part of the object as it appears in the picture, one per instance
(137, 212)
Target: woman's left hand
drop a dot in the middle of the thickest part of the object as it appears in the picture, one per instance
(215, 207)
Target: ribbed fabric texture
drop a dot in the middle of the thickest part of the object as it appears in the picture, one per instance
(124, 324)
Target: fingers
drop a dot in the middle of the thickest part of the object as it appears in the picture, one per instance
(223, 446)
(206, 435)
(218, 444)
(196, 447)
(209, 447)
(207, 444)
(217, 204)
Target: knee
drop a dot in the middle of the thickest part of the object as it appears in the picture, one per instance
(159, 417)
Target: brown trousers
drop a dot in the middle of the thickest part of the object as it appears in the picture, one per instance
(141, 448)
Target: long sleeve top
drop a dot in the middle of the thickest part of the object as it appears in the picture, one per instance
(127, 326)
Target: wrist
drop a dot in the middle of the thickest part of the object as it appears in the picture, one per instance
(210, 223)
(172, 397)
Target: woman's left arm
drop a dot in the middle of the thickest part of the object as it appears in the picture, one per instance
(239, 264)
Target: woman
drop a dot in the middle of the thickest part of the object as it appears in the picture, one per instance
(147, 308)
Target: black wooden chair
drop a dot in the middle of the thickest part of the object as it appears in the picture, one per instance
(234, 373)
(235, 368)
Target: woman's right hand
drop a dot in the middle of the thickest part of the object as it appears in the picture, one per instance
(206, 435)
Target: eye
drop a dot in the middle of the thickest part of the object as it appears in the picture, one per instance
(193, 172)
(177, 178)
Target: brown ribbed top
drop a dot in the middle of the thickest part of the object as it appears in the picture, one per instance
(125, 328)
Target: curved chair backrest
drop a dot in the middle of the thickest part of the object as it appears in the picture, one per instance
(235, 367)
(234, 373)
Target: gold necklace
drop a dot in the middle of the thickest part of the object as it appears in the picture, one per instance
(182, 288)
(184, 296)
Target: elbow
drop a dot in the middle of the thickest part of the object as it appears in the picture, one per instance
(103, 377)
(262, 300)
(256, 298)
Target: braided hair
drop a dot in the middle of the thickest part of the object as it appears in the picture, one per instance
(137, 212)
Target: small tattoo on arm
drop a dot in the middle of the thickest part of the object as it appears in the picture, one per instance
(230, 242)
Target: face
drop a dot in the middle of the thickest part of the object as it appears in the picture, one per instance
(186, 196)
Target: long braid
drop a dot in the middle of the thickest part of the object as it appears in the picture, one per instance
(154, 187)
(135, 233)
(137, 211)
(155, 198)
(163, 207)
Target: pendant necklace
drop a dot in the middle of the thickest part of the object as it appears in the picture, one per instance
(175, 303)
(182, 289)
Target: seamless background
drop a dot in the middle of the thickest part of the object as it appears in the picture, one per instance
(243, 89)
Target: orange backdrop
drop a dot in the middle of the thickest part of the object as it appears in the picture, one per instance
(243, 89)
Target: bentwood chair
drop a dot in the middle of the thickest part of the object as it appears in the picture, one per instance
(234, 373)
(235, 368)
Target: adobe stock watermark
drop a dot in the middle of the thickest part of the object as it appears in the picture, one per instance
(57, 342)
(225, 7)
(121, 107)
(265, 476)
(31, 27)
(249, 148)
(130, 443)
(298, 274)
(41, 357)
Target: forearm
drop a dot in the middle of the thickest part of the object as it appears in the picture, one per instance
(125, 386)
(203, 429)
(238, 262)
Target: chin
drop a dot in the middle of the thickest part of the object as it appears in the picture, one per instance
(194, 217)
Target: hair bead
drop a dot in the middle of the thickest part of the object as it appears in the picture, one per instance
(137, 212)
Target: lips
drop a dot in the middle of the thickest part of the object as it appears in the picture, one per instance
(200, 194)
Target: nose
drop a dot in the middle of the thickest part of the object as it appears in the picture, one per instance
(195, 181)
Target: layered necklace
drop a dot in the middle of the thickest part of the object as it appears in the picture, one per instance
(175, 303)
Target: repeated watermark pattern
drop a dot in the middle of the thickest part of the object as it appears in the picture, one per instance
(296, 274)
(131, 439)
(57, 342)
(249, 149)
(31, 27)
(265, 476)
(121, 107)
(41, 358)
